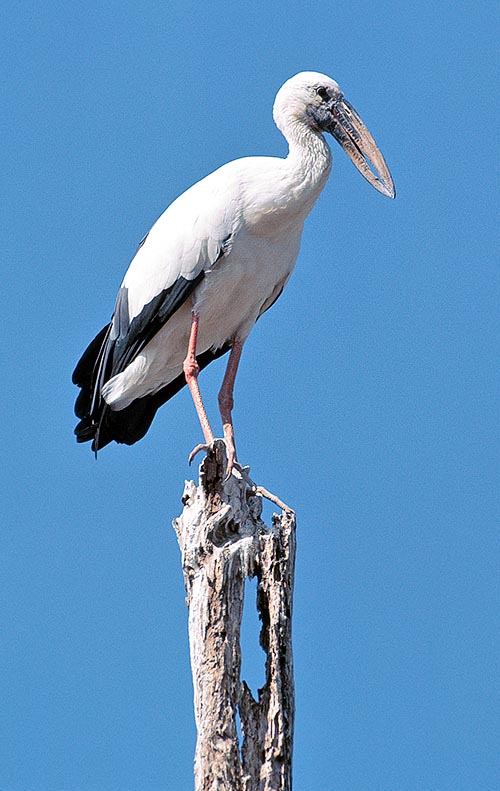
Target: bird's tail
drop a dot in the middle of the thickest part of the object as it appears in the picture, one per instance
(98, 422)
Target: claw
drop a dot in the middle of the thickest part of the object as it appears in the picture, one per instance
(202, 446)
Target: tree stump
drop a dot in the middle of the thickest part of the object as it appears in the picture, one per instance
(224, 541)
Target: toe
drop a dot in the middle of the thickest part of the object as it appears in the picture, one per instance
(201, 447)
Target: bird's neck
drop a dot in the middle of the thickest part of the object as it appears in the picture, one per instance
(308, 162)
(285, 190)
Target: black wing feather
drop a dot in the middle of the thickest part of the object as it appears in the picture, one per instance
(129, 425)
(133, 336)
(115, 346)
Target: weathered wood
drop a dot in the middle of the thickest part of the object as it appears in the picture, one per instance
(224, 541)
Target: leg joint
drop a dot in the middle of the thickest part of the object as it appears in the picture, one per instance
(191, 369)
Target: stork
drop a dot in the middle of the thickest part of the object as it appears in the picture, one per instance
(211, 265)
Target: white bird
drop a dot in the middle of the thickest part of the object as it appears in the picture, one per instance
(211, 265)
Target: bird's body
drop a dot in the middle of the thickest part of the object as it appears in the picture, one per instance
(222, 252)
(258, 232)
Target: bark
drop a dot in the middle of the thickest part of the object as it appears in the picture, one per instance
(224, 541)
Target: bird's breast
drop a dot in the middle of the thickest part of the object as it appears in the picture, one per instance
(234, 291)
(276, 195)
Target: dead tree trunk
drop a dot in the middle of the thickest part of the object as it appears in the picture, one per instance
(223, 542)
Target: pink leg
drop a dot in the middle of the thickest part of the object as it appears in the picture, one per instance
(191, 371)
(226, 402)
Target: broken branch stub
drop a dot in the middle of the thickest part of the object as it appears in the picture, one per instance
(224, 541)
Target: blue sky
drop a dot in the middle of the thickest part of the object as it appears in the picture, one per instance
(367, 398)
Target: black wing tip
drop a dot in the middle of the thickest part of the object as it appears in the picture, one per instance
(128, 426)
(105, 357)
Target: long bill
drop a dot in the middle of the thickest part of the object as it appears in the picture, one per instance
(350, 131)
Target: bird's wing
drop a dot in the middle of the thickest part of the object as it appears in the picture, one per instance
(170, 262)
(188, 239)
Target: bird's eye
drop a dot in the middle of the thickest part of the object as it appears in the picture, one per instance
(322, 93)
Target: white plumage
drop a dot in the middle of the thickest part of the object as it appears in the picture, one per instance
(219, 256)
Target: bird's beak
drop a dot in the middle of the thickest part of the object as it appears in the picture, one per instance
(349, 130)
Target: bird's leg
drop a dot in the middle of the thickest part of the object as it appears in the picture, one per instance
(191, 371)
(226, 402)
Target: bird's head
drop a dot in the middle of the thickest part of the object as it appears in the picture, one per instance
(314, 100)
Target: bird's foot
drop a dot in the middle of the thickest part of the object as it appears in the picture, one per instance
(232, 462)
(234, 467)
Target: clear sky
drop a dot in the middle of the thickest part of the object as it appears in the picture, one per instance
(367, 397)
